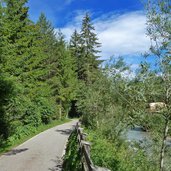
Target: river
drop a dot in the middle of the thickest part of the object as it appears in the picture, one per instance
(138, 135)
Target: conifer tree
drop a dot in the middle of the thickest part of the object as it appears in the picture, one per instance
(46, 28)
(48, 37)
(64, 82)
(89, 53)
(5, 90)
(24, 57)
(75, 49)
(48, 34)
(14, 33)
(14, 21)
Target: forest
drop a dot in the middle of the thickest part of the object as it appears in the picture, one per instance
(44, 78)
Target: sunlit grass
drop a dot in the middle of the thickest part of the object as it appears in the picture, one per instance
(6, 146)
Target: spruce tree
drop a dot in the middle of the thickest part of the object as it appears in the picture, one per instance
(48, 37)
(23, 56)
(75, 49)
(14, 20)
(65, 81)
(46, 29)
(14, 35)
(89, 50)
(6, 90)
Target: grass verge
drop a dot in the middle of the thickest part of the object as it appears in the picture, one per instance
(7, 146)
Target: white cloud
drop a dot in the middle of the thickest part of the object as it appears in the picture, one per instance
(120, 34)
(134, 67)
(73, 24)
(123, 35)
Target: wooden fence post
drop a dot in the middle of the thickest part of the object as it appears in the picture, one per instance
(87, 164)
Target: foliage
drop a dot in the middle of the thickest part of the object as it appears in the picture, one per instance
(84, 49)
(107, 156)
(42, 78)
(6, 93)
(159, 24)
(116, 156)
(36, 72)
(98, 101)
(72, 158)
(24, 133)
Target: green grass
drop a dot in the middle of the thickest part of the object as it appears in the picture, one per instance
(8, 146)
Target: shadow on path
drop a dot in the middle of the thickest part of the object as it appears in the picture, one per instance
(15, 151)
(58, 164)
(66, 131)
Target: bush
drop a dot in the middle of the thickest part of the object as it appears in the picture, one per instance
(103, 153)
(117, 155)
(72, 158)
(46, 108)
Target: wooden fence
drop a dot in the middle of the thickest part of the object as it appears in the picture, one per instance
(87, 164)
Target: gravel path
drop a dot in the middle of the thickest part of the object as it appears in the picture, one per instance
(41, 153)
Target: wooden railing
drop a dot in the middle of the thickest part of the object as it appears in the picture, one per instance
(87, 164)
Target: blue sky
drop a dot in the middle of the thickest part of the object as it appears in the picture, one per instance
(120, 24)
(60, 11)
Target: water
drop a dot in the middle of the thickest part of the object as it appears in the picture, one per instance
(138, 135)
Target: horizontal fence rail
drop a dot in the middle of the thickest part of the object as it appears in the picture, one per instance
(87, 164)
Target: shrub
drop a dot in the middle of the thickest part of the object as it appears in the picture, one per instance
(72, 158)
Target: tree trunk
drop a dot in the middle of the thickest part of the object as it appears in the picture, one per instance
(67, 111)
(60, 109)
(162, 153)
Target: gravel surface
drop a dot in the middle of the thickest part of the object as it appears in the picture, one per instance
(41, 153)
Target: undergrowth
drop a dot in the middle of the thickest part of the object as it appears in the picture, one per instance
(116, 155)
(26, 133)
(72, 158)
